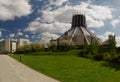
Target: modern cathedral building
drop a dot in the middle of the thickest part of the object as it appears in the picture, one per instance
(10, 45)
(78, 33)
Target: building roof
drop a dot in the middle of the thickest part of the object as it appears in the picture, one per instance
(79, 33)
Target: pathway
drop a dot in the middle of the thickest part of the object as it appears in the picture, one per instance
(13, 71)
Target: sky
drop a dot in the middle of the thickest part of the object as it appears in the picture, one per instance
(41, 20)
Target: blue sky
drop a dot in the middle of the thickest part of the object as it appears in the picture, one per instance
(41, 20)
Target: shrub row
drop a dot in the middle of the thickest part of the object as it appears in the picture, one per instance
(32, 47)
(64, 45)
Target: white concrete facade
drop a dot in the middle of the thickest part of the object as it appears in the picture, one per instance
(7, 45)
(14, 46)
(22, 42)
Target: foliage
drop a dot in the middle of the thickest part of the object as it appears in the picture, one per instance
(37, 46)
(111, 54)
(90, 51)
(63, 45)
(53, 45)
(94, 47)
(107, 57)
(32, 47)
(107, 52)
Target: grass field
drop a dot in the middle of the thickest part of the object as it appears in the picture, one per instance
(72, 68)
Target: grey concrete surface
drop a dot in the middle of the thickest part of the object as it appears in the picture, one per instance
(13, 71)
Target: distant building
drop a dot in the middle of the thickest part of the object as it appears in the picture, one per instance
(10, 45)
(22, 42)
(14, 46)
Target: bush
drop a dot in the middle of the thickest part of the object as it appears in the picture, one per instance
(64, 45)
(110, 57)
(82, 53)
(90, 56)
(90, 51)
(116, 60)
(37, 46)
(32, 47)
(53, 45)
(98, 56)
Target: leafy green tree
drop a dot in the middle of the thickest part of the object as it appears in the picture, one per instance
(37, 46)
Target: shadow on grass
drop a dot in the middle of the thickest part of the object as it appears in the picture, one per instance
(111, 65)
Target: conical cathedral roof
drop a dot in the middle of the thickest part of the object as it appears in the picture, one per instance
(79, 33)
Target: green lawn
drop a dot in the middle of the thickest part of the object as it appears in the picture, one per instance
(73, 68)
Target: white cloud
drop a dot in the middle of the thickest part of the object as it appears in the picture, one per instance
(100, 12)
(48, 36)
(94, 17)
(58, 20)
(55, 27)
(94, 23)
(12, 35)
(115, 22)
(92, 31)
(27, 36)
(19, 34)
(0, 33)
(57, 2)
(118, 41)
(38, 36)
(9, 9)
(1, 39)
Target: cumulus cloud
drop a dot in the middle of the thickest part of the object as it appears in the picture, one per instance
(12, 35)
(58, 20)
(9, 9)
(94, 23)
(92, 31)
(55, 27)
(0, 33)
(94, 17)
(27, 36)
(100, 12)
(118, 41)
(57, 2)
(1, 39)
(115, 22)
(48, 36)
(19, 34)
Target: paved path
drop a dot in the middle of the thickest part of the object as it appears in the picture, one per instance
(13, 71)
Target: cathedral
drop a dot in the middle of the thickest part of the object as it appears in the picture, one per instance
(78, 33)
